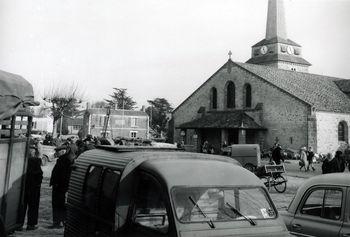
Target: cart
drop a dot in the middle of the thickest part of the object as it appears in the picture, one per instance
(271, 175)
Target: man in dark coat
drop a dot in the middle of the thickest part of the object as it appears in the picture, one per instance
(59, 181)
(2, 228)
(34, 178)
(277, 156)
(339, 162)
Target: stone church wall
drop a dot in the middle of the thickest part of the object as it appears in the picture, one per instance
(327, 131)
(284, 116)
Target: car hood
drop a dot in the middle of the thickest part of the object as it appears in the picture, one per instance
(270, 231)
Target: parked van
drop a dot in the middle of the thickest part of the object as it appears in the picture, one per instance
(247, 154)
(167, 193)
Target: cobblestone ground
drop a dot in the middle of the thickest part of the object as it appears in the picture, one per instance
(281, 201)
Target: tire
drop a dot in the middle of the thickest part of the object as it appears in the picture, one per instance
(44, 160)
(249, 167)
(280, 184)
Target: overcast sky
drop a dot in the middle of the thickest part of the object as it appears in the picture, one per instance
(157, 48)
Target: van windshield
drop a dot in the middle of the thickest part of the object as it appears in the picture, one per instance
(221, 204)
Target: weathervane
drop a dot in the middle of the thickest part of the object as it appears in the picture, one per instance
(229, 54)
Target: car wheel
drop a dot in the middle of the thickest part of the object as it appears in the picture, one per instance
(280, 184)
(249, 167)
(44, 160)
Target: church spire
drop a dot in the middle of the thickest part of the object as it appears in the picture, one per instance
(276, 23)
(276, 50)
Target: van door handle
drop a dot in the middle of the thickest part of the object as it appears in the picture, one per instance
(296, 226)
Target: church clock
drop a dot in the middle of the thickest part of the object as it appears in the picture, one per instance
(263, 50)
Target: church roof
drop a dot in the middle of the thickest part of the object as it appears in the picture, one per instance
(276, 40)
(318, 91)
(223, 119)
(343, 84)
(278, 57)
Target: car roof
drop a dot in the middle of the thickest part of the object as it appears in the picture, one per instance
(174, 167)
(334, 179)
(193, 169)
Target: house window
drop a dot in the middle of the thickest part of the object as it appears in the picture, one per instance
(247, 96)
(133, 122)
(133, 134)
(76, 127)
(213, 98)
(342, 131)
(230, 95)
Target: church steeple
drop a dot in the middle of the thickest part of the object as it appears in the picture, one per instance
(276, 22)
(276, 49)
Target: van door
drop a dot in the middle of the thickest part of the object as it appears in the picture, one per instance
(107, 202)
(99, 197)
(151, 210)
(345, 231)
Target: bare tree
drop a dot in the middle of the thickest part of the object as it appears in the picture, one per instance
(63, 102)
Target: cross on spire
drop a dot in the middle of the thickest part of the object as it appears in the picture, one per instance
(229, 54)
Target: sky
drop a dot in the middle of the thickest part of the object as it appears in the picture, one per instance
(156, 48)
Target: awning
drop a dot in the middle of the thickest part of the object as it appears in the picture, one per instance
(15, 93)
(223, 119)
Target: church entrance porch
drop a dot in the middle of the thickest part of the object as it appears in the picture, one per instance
(222, 127)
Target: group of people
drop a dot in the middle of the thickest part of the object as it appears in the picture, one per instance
(307, 159)
(334, 164)
(59, 181)
(207, 148)
(330, 164)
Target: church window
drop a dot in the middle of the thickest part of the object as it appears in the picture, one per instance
(230, 95)
(247, 98)
(342, 131)
(213, 98)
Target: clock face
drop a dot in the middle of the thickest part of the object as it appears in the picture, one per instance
(290, 50)
(263, 50)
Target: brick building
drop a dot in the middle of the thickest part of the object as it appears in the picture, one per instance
(270, 98)
(121, 123)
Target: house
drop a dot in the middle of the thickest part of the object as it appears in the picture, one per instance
(121, 123)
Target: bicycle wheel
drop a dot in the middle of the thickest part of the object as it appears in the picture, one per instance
(280, 184)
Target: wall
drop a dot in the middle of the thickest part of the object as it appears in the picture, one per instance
(327, 131)
(284, 116)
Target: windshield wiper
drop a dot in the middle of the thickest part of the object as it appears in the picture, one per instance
(210, 222)
(240, 214)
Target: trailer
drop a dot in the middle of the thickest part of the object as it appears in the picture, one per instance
(16, 95)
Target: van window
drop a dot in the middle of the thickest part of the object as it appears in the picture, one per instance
(150, 210)
(91, 191)
(108, 192)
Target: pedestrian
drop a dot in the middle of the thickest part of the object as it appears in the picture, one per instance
(205, 147)
(277, 156)
(303, 163)
(339, 162)
(34, 177)
(59, 181)
(327, 165)
(310, 157)
(347, 156)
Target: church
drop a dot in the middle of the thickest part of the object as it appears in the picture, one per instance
(270, 98)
